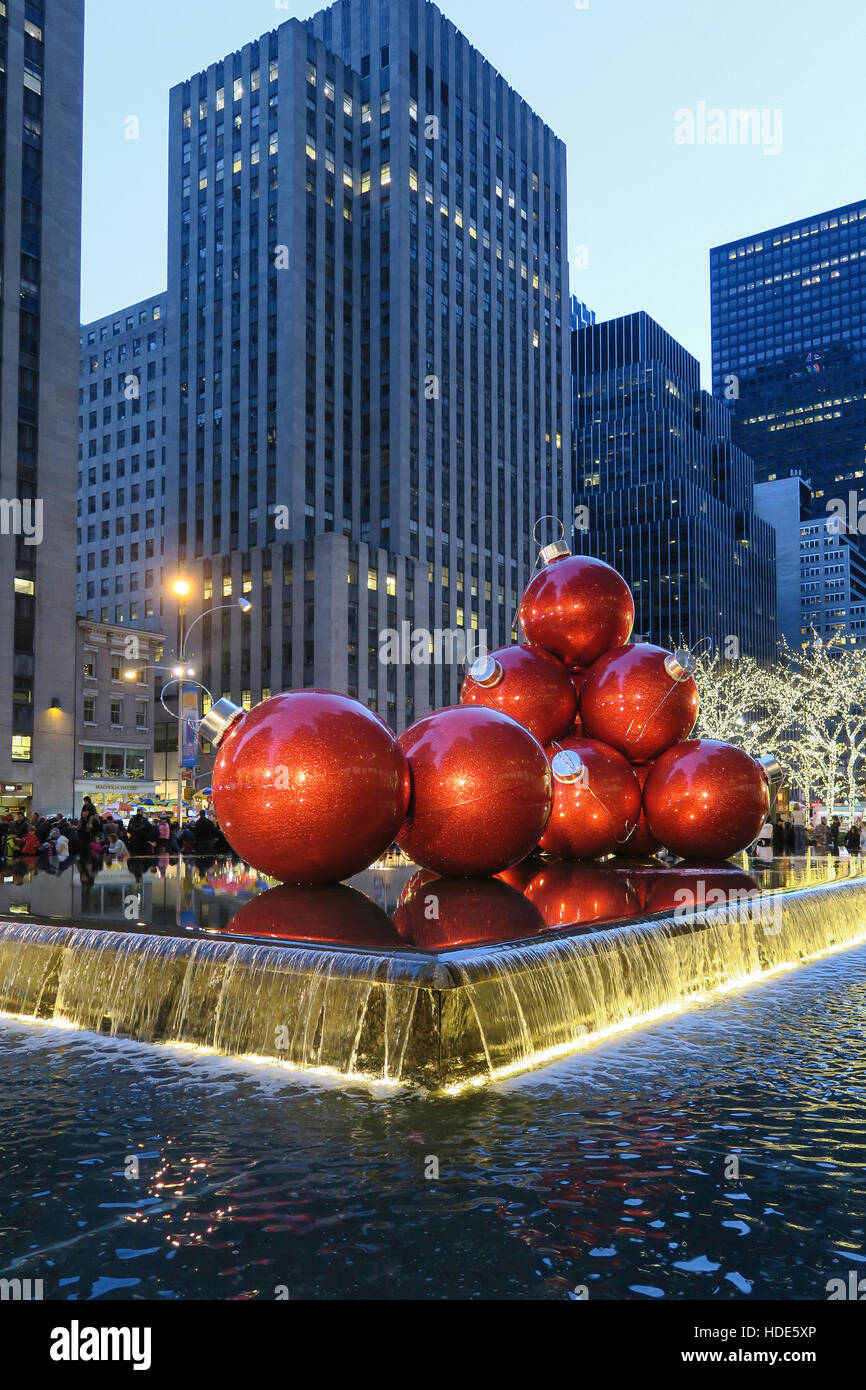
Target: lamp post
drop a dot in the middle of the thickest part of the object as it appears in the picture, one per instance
(182, 674)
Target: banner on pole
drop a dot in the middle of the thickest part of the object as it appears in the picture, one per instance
(189, 726)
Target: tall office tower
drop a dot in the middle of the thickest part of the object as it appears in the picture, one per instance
(368, 284)
(41, 68)
(820, 572)
(123, 475)
(663, 494)
(789, 350)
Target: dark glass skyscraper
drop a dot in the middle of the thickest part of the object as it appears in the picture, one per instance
(664, 495)
(789, 349)
(369, 318)
(41, 76)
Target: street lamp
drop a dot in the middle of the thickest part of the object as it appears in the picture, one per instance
(182, 674)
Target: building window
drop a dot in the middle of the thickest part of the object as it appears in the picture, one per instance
(227, 586)
(21, 748)
(117, 713)
(141, 714)
(89, 709)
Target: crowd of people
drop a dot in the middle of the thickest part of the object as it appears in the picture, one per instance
(103, 839)
(793, 833)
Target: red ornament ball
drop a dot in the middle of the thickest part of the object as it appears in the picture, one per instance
(481, 792)
(640, 700)
(531, 686)
(439, 914)
(577, 608)
(706, 800)
(310, 786)
(640, 844)
(596, 800)
(569, 895)
(329, 914)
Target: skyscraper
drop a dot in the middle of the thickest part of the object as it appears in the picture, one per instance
(123, 471)
(41, 65)
(368, 314)
(789, 350)
(664, 495)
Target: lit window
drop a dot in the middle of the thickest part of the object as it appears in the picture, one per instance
(227, 586)
(311, 152)
(273, 143)
(247, 699)
(24, 586)
(386, 175)
(21, 748)
(247, 582)
(372, 580)
(239, 89)
(391, 585)
(221, 99)
(207, 589)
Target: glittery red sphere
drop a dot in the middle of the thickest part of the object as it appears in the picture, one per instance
(310, 787)
(595, 813)
(641, 843)
(481, 792)
(442, 913)
(577, 608)
(706, 800)
(532, 686)
(630, 701)
(683, 889)
(570, 895)
(322, 913)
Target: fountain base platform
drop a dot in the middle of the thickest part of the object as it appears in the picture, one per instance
(440, 1020)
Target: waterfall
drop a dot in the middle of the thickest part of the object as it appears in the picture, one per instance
(440, 1020)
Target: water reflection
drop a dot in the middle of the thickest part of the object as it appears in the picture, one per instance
(383, 907)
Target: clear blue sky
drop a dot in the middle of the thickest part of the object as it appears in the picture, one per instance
(608, 78)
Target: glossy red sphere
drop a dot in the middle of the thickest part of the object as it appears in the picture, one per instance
(443, 913)
(641, 844)
(481, 792)
(706, 800)
(596, 814)
(684, 889)
(310, 787)
(331, 914)
(532, 686)
(569, 895)
(631, 702)
(577, 608)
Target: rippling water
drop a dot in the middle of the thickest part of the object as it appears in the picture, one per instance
(613, 1172)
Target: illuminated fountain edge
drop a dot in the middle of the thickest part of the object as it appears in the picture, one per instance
(443, 1021)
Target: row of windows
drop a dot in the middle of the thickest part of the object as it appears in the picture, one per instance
(144, 316)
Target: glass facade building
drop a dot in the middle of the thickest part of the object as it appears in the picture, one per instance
(41, 77)
(665, 496)
(368, 344)
(789, 350)
(122, 465)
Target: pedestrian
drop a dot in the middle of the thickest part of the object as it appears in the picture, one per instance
(852, 839)
(833, 836)
(789, 836)
(205, 834)
(778, 836)
(798, 815)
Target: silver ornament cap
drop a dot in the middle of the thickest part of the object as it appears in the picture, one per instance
(486, 671)
(554, 551)
(568, 767)
(217, 721)
(680, 665)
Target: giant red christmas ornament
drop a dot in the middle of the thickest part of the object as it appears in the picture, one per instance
(596, 800)
(320, 913)
(309, 787)
(576, 607)
(640, 844)
(532, 686)
(640, 699)
(706, 800)
(481, 792)
(437, 914)
(570, 895)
